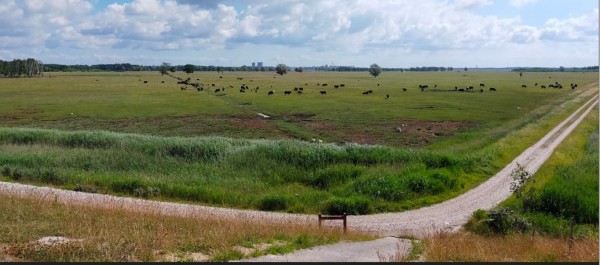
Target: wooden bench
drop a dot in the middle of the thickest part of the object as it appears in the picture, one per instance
(333, 217)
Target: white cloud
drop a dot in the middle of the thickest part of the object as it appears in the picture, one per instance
(583, 28)
(332, 27)
(520, 3)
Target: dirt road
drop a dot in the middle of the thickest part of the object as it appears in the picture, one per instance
(449, 215)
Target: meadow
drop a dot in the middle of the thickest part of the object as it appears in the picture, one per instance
(115, 133)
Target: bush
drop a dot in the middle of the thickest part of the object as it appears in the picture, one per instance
(273, 203)
(503, 220)
(6, 171)
(334, 175)
(354, 206)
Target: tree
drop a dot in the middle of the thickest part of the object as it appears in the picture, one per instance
(188, 68)
(172, 69)
(281, 69)
(298, 69)
(164, 67)
(375, 70)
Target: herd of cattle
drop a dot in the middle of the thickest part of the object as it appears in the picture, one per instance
(299, 90)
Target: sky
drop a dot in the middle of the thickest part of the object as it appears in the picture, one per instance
(391, 33)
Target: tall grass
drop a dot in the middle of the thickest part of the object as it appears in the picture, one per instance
(204, 169)
(466, 247)
(114, 234)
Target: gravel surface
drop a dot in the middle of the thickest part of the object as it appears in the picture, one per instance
(449, 215)
(384, 249)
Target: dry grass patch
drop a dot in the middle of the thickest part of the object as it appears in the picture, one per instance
(118, 235)
(467, 247)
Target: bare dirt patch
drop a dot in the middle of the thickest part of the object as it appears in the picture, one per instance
(395, 133)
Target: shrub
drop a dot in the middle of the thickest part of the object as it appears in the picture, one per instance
(354, 205)
(6, 171)
(273, 203)
(334, 175)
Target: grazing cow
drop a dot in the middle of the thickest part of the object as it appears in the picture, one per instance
(342, 85)
(551, 85)
(287, 92)
(240, 78)
(306, 84)
(423, 86)
(461, 89)
(481, 90)
(324, 84)
(543, 86)
(387, 96)
(271, 92)
(183, 88)
(301, 88)
(492, 89)
(198, 88)
(295, 88)
(162, 82)
(434, 85)
(242, 91)
(482, 84)
(197, 79)
(145, 82)
(318, 84)
(524, 86)
(212, 84)
(299, 91)
(323, 92)
(535, 84)
(220, 76)
(366, 93)
(470, 87)
(404, 89)
(230, 86)
(217, 90)
(336, 86)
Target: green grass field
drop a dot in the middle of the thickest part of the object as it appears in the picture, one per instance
(205, 147)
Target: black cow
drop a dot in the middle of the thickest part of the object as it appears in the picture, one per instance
(217, 90)
(287, 92)
(271, 92)
(323, 92)
(543, 86)
(387, 96)
(524, 86)
(145, 82)
(404, 89)
(492, 89)
(365, 93)
(336, 86)
(482, 84)
(324, 84)
(342, 85)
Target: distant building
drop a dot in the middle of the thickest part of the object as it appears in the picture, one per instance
(253, 64)
(259, 64)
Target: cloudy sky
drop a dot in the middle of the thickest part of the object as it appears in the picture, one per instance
(392, 33)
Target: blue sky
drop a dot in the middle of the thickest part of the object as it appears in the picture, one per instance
(392, 33)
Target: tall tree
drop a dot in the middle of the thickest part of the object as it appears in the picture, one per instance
(281, 69)
(188, 68)
(164, 67)
(375, 70)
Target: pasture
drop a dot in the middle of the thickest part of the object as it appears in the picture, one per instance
(206, 147)
(122, 102)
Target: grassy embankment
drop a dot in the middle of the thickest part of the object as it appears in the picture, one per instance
(559, 207)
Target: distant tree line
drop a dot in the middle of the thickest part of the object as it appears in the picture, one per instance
(21, 68)
(116, 67)
(557, 69)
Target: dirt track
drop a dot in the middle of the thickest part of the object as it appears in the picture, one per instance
(448, 215)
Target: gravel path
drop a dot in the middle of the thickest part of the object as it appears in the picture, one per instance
(448, 215)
